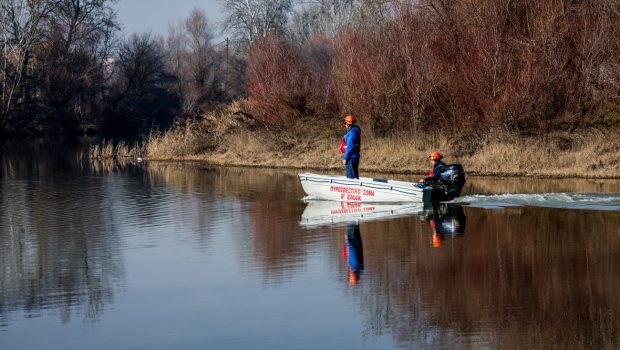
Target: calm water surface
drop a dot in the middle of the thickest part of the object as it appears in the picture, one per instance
(185, 256)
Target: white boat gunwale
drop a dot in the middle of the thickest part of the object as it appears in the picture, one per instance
(362, 182)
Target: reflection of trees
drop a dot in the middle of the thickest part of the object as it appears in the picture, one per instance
(270, 241)
(520, 278)
(279, 248)
(58, 250)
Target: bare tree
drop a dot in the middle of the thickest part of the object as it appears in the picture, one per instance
(304, 24)
(20, 32)
(142, 93)
(335, 14)
(79, 34)
(248, 20)
(201, 55)
(194, 61)
(330, 17)
(176, 63)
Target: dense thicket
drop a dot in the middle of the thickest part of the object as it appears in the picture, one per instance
(531, 66)
(400, 66)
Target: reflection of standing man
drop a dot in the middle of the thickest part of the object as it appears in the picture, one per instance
(353, 252)
(351, 157)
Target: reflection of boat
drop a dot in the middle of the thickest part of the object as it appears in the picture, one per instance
(341, 188)
(320, 212)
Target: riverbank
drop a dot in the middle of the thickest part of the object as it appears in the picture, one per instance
(230, 137)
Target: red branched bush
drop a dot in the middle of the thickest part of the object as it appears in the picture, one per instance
(273, 79)
(286, 81)
(452, 66)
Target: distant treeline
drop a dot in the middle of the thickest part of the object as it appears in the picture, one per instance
(412, 65)
(65, 68)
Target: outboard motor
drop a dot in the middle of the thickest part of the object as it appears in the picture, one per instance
(448, 187)
(453, 179)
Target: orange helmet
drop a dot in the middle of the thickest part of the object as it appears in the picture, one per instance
(349, 119)
(435, 155)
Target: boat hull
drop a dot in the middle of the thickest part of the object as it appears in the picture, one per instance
(365, 190)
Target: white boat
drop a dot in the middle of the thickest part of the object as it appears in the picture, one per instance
(321, 212)
(365, 190)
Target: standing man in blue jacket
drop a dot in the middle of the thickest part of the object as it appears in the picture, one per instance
(353, 138)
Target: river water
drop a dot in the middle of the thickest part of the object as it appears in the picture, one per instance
(187, 256)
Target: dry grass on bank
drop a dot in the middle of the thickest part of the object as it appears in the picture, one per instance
(121, 150)
(591, 154)
(230, 137)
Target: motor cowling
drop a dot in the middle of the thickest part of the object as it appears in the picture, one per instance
(453, 178)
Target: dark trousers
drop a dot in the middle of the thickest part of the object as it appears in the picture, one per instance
(352, 166)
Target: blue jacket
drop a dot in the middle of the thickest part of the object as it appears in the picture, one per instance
(437, 170)
(353, 138)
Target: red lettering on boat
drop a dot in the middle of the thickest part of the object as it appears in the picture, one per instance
(342, 189)
(354, 197)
